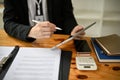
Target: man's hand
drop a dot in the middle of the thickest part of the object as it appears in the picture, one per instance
(77, 29)
(42, 30)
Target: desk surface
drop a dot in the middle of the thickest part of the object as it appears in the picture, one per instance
(105, 71)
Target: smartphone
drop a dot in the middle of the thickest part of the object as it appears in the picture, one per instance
(82, 46)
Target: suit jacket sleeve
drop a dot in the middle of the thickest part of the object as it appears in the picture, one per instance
(69, 19)
(14, 25)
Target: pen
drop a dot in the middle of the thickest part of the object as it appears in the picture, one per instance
(72, 37)
(13, 53)
(38, 22)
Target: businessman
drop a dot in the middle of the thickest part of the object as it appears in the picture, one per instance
(18, 16)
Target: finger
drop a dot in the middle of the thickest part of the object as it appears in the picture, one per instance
(48, 29)
(76, 29)
(51, 25)
(46, 34)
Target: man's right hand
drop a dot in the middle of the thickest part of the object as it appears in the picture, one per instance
(42, 30)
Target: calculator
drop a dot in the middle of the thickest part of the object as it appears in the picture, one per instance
(86, 63)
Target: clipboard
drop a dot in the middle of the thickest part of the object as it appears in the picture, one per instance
(8, 63)
(63, 70)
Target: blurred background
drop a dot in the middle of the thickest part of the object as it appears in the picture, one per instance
(105, 12)
(1, 13)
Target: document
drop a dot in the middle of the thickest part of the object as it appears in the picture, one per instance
(35, 64)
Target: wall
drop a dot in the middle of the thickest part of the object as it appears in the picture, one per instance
(105, 12)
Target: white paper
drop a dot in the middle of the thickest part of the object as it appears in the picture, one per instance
(35, 64)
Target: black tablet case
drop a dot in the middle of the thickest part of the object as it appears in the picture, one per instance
(63, 70)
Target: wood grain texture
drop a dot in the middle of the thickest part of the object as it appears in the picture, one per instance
(105, 71)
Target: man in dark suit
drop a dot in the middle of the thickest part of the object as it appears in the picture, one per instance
(17, 19)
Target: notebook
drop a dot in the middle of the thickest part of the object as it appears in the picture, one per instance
(110, 44)
(102, 57)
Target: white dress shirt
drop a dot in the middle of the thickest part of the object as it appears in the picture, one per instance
(32, 10)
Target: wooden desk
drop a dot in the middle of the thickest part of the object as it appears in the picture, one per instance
(105, 71)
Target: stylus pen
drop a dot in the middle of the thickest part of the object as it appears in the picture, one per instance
(73, 36)
(38, 22)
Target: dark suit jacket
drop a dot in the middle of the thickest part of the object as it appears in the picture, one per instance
(16, 20)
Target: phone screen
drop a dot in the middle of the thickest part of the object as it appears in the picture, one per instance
(82, 46)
